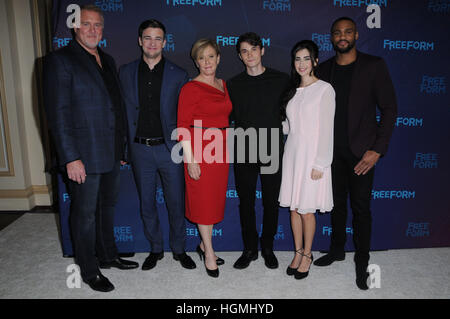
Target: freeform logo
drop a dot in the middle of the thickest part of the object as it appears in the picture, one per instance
(66, 197)
(327, 230)
(408, 45)
(358, 3)
(426, 160)
(123, 234)
(406, 121)
(393, 194)
(62, 42)
(126, 167)
(207, 3)
(322, 41)
(433, 85)
(439, 6)
(279, 235)
(418, 230)
(193, 232)
(277, 5)
(232, 40)
(159, 195)
(110, 5)
(232, 193)
(170, 43)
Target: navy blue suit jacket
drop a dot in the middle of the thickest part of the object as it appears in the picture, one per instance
(174, 78)
(79, 109)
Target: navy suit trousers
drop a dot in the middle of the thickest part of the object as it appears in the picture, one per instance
(147, 162)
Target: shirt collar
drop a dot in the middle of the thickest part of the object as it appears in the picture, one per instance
(158, 68)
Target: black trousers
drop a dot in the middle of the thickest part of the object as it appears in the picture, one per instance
(92, 220)
(359, 188)
(246, 176)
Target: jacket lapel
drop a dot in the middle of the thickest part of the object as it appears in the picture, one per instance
(354, 85)
(164, 86)
(85, 61)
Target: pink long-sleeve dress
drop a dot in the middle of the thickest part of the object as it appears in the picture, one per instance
(309, 125)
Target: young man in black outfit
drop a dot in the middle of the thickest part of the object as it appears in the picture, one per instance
(362, 83)
(256, 94)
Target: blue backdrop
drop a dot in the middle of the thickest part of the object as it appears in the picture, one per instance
(410, 206)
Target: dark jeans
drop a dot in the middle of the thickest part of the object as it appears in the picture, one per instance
(346, 183)
(246, 176)
(92, 220)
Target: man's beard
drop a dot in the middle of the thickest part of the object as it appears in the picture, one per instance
(350, 46)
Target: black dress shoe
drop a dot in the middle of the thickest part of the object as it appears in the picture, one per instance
(361, 277)
(100, 283)
(246, 258)
(328, 259)
(151, 260)
(119, 263)
(201, 255)
(185, 260)
(269, 258)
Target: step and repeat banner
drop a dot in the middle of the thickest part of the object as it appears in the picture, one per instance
(410, 199)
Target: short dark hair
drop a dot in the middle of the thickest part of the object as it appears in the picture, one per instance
(152, 23)
(250, 37)
(342, 19)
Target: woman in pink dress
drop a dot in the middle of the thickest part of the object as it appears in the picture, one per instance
(306, 174)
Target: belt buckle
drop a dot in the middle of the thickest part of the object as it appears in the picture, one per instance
(148, 142)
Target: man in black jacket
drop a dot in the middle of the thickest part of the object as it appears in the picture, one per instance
(362, 83)
(256, 95)
(87, 120)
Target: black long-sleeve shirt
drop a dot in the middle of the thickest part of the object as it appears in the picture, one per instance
(257, 99)
(150, 82)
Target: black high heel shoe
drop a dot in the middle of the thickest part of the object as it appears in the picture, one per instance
(302, 275)
(291, 271)
(213, 273)
(201, 254)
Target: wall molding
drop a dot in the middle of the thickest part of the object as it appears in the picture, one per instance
(25, 193)
(5, 134)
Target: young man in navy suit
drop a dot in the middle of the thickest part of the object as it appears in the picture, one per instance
(87, 120)
(151, 86)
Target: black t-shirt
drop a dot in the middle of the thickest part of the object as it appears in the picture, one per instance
(341, 81)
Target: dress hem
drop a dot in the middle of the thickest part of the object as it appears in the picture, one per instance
(308, 210)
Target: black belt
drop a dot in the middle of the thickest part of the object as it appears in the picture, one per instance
(149, 141)
(206, 128)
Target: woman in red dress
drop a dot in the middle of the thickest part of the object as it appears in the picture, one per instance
(203, 109)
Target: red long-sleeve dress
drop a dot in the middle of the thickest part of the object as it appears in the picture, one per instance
(203, 113)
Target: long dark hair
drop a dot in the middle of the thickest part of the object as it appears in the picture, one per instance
(296, 79)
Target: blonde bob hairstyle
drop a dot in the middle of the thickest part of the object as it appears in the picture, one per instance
(201, 45)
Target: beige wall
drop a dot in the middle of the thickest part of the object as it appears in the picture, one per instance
(25, 184)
